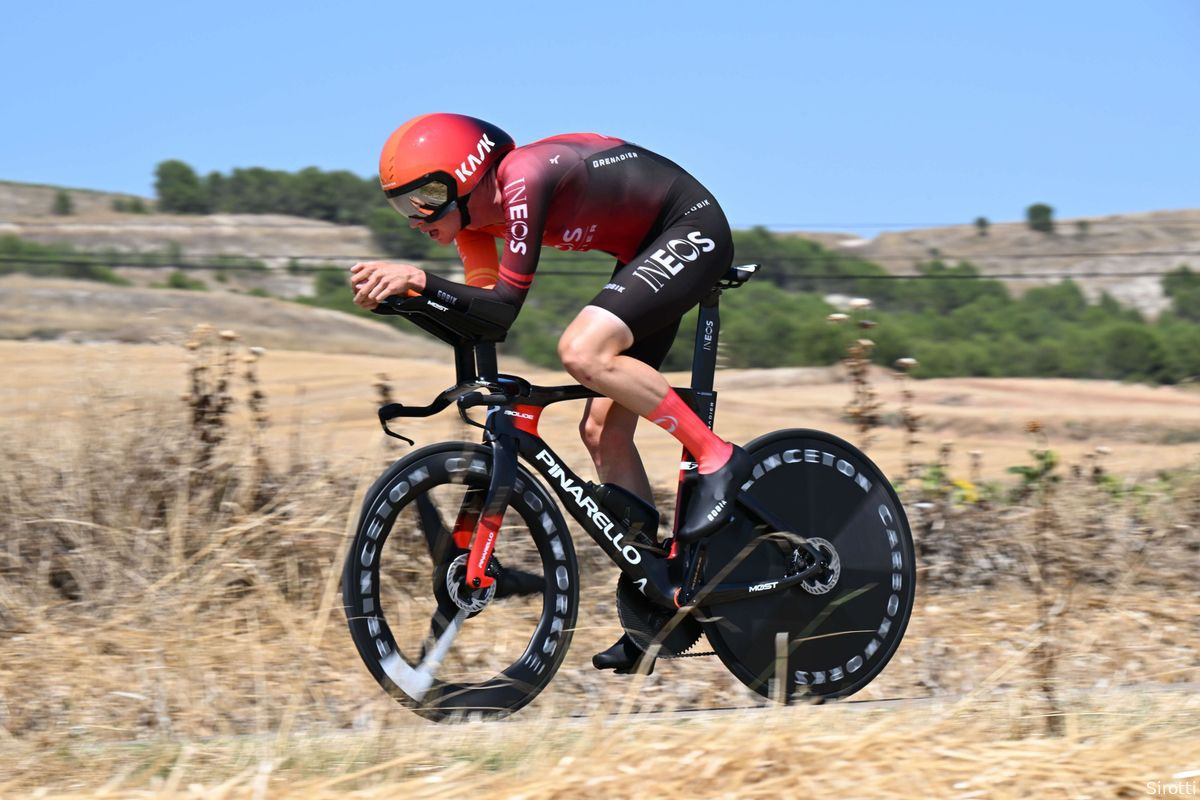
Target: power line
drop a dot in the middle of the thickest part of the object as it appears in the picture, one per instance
(1094, 223)
(551, 255)
(218, 266)
(314, 224)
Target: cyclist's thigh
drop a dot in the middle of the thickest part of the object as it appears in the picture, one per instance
(673, 273)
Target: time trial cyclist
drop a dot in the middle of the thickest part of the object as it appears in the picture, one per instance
(462, 180)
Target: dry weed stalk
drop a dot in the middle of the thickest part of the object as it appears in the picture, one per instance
(910, 421)
(863, 408)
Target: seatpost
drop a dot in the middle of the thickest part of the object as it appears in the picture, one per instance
(704, 358)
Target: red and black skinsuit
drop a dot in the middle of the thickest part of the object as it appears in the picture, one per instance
(584, 191)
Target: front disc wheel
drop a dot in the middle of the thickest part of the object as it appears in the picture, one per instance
(436, 645)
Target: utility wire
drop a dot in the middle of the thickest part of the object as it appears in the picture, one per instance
(107, 261)
(814, 227)
(551, 255)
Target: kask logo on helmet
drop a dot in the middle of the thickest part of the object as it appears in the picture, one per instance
(474, 160)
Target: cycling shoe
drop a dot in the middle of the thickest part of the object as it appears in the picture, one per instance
(624, 657)
(711, 501)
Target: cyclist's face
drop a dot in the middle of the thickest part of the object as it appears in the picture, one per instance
(442, 231)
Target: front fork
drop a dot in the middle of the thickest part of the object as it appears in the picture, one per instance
(487, 529)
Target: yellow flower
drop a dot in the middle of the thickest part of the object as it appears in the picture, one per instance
(970, 493)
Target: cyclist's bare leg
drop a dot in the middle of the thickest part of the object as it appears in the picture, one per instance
(607, 432)
(590, 349)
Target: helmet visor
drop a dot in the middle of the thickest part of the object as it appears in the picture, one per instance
(426, 202)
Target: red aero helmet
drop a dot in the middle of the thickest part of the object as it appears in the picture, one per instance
(431, 160)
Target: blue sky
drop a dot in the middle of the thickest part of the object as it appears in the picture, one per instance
(833, 115)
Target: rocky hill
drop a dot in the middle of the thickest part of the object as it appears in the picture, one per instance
(1122, 254)
(26, 211)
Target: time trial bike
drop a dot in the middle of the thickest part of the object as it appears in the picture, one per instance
(461, 585)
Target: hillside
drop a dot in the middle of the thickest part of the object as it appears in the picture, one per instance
(85, 312)
(1120, 254)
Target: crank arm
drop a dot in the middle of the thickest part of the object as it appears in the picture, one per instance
(415, 681)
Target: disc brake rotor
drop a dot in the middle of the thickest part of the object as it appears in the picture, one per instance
(471, 601)
(827, 578)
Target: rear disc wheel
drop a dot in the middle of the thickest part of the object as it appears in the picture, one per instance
(832, 634)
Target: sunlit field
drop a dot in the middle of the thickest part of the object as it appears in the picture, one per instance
(171, 620)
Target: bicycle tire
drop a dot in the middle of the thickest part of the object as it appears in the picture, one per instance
(836, 642)
(395, 572)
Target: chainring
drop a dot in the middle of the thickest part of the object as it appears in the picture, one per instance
(645, 622)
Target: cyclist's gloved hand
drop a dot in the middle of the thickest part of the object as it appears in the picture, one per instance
(374, 281)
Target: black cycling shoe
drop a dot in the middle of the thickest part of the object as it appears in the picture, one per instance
(712, 497)
(624, 657)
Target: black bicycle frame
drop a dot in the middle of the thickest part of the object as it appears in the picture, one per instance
(511, 431)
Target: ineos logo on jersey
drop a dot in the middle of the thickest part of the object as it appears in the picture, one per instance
(518, 213)
(666, 262)
(475, 160)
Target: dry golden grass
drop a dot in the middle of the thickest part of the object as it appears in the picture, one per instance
(327, 398)
(172, 628)
(1115, 746)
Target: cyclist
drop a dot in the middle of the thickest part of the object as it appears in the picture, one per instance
(462, 180)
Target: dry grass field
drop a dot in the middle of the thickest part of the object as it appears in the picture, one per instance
(169, 630)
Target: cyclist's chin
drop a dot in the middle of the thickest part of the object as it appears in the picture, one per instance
(440, 234)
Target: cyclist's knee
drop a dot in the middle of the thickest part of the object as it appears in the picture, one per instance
(582, 359)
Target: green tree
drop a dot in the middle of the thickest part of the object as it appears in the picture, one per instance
(215, 190)
(178, 189)
(1183, 287)
(1134, 352)
(1040, 217)
(259, 191)
(981, 225)
(129, 205)
(63, 204)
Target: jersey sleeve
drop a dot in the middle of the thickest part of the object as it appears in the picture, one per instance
(478, 253)
(527, 181)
